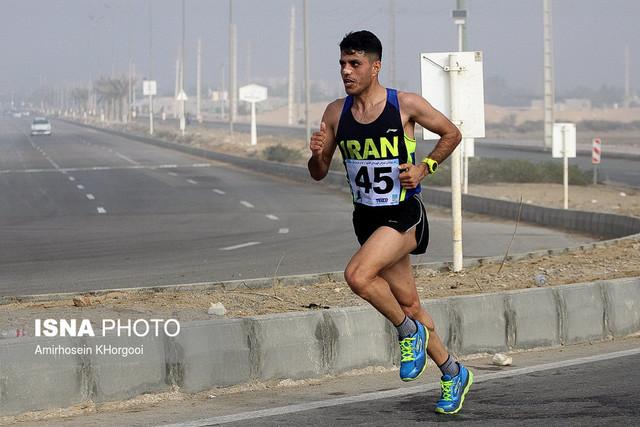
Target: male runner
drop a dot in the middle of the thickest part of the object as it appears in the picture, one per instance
(374, 130)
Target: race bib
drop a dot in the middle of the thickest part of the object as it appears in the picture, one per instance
(374, 182)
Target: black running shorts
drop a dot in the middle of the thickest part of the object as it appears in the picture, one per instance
(403, 217)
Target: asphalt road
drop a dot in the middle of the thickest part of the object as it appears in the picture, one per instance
(587, 385)
(83, 210)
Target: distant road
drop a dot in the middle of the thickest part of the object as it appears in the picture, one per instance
(83, 210)
(614, 170)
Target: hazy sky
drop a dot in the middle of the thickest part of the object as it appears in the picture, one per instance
(72, 41)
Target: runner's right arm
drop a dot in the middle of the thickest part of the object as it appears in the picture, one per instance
(323, 142)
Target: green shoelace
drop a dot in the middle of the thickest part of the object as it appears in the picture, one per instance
(446, 390)
(406, 349)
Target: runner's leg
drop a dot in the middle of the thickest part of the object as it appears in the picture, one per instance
(383, 248)
(402, 284)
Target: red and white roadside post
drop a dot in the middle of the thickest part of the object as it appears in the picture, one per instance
(596, 152)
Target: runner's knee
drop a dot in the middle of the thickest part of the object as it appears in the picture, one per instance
(358, 279)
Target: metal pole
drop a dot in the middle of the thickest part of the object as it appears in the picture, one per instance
(456, 196)
(466, 142)
(150, 66)
(198, 83)
(307, 89)
(182, 105)
(232, 71)
(222, 93)
(254, 133)
(292, 66)
(566, 167)
(548, 76)
(392, 43)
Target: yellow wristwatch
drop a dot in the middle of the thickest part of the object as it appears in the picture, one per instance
(432, 165)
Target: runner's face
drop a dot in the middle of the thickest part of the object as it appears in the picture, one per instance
(357, 71)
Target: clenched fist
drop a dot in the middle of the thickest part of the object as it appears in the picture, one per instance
(318, 140)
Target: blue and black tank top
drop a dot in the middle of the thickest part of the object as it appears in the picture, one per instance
(373, 152)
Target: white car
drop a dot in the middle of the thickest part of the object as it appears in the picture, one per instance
(40, 126)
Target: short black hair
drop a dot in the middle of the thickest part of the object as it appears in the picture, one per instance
(362, 41)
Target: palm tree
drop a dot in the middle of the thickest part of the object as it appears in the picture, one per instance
(112, 95)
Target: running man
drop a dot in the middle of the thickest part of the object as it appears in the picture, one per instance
(374, 129)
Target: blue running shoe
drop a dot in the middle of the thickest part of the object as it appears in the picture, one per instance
(413, 352)
(454, 389)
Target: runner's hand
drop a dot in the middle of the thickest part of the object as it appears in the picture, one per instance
(318, 140)
(411, 175)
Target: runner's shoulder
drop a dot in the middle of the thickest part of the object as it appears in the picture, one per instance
(333, 111)
(410, 101)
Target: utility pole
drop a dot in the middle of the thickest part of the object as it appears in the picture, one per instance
(627, 83)
(177, 89)
(198, 83)
(223, 90)
(248, 64)
(392, 43)
(307, 88)
(182, 100)
(292, 65)
(548, 76)
(466, 142)
(150, 65)
(233, 100)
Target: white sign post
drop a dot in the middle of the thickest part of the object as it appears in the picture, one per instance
(564, 146)
(150, 89)
(252, 94)
(452, 82)
(182, 97)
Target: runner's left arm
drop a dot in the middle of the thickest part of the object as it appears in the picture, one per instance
(418, 110)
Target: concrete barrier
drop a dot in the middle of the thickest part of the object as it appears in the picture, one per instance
(223, 352)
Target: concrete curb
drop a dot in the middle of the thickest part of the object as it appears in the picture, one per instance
(217, 353)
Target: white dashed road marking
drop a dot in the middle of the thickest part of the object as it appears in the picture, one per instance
(71, 178)
(91, 196)
(173, 174)
(102, 210)
(243, 245)
(122, 156)
(222, 193)
(283, 231)
(80, 187)
(247, 204)
(273, 217)
(190, 181)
